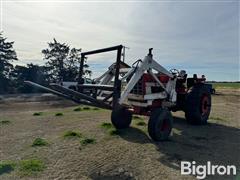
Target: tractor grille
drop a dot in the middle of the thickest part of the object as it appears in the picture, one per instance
(138, 88)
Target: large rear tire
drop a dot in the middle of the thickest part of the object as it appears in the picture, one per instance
(160, 124)
(198, 105)
(121, 118)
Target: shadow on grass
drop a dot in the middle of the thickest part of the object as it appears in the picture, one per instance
(213, 142)
(134, 135)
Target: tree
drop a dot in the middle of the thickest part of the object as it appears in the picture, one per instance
(7, 56)
(31, 72)
(71, 65)
(63, 62)
(56, 54)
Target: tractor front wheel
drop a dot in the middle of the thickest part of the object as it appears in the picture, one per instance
(121, 118)
(160, 124)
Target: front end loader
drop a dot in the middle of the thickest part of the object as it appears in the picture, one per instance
(145, 88)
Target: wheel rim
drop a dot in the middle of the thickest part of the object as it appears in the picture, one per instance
(164, 126)
(205, 105)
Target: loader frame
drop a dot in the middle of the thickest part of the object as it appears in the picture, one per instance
(159, 93)
(116, 89)
(78, 96)
(116, 95)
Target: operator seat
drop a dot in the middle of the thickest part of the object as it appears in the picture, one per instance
(181, 79)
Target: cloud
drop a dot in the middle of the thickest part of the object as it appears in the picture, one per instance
(202, 37)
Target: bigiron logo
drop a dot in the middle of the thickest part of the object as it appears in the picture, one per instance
(201, 171)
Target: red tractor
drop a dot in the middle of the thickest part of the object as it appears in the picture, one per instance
(145, 88)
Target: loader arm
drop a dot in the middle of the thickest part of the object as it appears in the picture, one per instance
(146, 65)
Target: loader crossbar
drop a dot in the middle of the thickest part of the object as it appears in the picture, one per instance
(96, 87)
(117, 83)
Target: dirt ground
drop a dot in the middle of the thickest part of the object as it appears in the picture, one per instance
(129, 155)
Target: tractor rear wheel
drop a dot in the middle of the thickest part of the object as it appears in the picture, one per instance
(160, 124)
(121, 118)
(198, 105)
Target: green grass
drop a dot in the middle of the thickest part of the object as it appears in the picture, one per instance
(137, 118)
(30, 166)
(106, 125)
(86, 108)
(113, 132)
(6, 167)
(59, 114)
(39, 142)
(87, 141)
(37, 113)
(5, 122)
(26, 167)
(219, 85)
(217, 118)
(69, 134)
(110, 129)
(77, 109)
(141, 123)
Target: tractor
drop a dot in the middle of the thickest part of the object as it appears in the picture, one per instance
(144, 88)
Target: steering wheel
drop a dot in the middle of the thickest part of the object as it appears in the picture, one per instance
(174, 71)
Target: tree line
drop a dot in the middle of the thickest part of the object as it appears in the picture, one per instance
(61, 63)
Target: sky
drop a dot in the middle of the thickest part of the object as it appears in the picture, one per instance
(200, 37)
